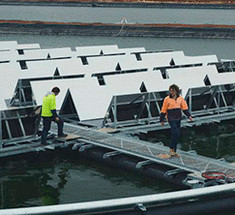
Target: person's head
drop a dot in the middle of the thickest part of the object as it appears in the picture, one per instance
(56, 90)
(174, 90)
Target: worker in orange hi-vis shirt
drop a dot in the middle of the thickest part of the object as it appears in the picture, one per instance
(172, 106)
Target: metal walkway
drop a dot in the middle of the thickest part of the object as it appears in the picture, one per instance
(116, 144)
(120, 144)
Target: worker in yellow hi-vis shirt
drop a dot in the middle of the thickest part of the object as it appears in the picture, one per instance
(49, 114)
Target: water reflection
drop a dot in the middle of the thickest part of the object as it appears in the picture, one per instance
(31, 182)
(62, 177)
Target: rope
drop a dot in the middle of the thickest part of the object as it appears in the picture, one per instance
(213, 175)
(124, 21)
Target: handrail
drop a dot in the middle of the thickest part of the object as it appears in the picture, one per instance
(122, 203)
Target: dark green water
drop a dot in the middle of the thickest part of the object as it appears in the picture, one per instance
(62, 177)
(213, 140)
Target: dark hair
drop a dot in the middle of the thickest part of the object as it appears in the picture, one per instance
(176, 89)
(55, 90)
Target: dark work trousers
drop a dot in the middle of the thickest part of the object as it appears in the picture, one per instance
(175, 133)
(47, 126)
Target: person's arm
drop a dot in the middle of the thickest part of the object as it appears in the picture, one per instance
(184, 107)
(53, 109)
(163, 111)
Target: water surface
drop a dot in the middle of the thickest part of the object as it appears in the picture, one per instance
(224, 49)
(63, 177)
(115, 15)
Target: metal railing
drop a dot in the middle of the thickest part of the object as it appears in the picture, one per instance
(126, 204)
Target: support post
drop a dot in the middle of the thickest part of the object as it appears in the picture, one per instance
(149, 108)
(190, 100)
(223, 98)
(114, 108)
(156, 102)
(7, 125)
(20, 95)
(145, 98)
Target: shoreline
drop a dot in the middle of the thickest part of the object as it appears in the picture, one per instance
(120, 4)
(203, 31)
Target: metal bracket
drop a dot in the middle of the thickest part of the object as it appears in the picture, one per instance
(65, 145)
(83, 148)
(221, 159)
(51, 147)
(38, 149)
(77, 145)
(173, 172)
(192, 152)
(111, 154)
(140, 164)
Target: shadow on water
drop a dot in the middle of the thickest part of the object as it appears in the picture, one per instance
(63, 177)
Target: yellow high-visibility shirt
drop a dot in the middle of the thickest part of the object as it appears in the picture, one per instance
(49, 104)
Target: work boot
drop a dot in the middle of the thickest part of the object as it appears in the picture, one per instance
(62, 135)
(176, 154)
(172, 152)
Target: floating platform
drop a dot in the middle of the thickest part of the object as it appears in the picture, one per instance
(134, 154)
(118, 30)
(146, 158)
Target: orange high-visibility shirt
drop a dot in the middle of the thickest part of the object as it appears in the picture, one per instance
(172, 107)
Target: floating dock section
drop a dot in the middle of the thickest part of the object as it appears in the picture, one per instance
(123, 29)
(117, 149)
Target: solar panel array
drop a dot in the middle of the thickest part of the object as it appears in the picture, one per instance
(94, 74)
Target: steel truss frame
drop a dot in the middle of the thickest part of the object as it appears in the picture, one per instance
(19, 125)
(206, 104)
(23, 95)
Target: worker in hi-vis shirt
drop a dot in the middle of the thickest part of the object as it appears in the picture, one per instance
(49, 114)
(171, 110)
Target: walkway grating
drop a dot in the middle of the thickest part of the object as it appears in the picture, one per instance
(188, 161)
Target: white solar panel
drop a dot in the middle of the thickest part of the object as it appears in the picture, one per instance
(96, 50)
(7, 45)
(49, 68)
(6, 55)
(131, 50)
(11, 74)
(90, 102)
(181, 60)
(41, 88)
(2, 103)
(161, 59)
(28, 46)
(222, 78)
(46, 53)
